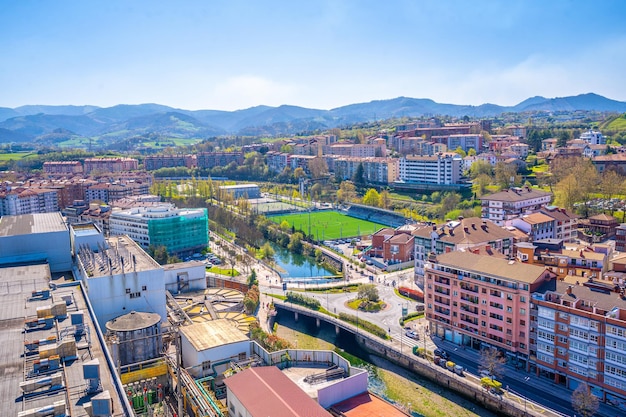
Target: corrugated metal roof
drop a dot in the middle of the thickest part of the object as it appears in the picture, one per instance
(266, 391)
(207, 335)
(25, 224)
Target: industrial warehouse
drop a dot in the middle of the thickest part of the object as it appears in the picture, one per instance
(93, 326)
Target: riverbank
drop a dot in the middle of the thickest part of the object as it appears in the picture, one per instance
(392, 382)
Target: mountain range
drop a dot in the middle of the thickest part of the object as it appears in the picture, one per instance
(45, 124)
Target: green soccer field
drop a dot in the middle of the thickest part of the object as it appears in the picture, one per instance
(328, 225)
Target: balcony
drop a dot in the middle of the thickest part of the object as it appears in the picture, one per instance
(467, 309)
(469, 299)
(469, 288)
(443, 291)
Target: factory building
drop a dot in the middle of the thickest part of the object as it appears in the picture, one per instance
(42, 237)
(120, 277)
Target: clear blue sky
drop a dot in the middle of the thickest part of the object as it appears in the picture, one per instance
(228, 55)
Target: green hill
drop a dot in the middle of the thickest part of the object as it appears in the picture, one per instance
(614, 124)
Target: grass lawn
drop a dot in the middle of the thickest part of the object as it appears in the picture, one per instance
(325, 225)
(223, 271)
(16, 156)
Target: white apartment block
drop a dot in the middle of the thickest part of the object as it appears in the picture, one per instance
(441, 169)
(512, 203)
(28, 201)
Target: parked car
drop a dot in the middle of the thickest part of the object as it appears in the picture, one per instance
(485, 374)
(458, 369)
(441, 352)
(412, 334)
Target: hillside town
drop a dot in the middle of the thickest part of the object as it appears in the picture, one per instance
(131, 291)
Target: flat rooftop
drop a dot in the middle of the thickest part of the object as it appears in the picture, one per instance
(121, 255)
(25, 224)
(18, 362)
(214, 333)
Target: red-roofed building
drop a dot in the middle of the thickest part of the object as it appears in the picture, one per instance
(266, 391)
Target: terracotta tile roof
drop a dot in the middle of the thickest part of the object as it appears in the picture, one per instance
(537, 218)
(495, 267)
(266, 391)
(367, 405)
(512, 195)
(471, 230)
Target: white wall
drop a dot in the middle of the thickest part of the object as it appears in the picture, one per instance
(194, 359)
(342, 390)
(192, 272)
(109, 298)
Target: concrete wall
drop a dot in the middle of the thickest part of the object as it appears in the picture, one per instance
(342, 390)
(109, 297)
(193, 274)
(192, 359)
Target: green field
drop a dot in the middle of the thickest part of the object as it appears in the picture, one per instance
(16, 156)
(328, 225)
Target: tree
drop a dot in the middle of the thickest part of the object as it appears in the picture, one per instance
(367, 292)
(371, 198)
(460, 151)
(480, 183)
(252, 279)
(295, 243)
(481, 167)
(346, 192)
(449, 202)
(611, 184)
(318, 167)
(564, 136)
(471, 152)
(506, 175)
(584, 402)
(385, 199)
(359, 175)
(492, 361)
(158, 253)
(266, 251)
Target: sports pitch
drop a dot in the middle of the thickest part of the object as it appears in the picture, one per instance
(328, 225)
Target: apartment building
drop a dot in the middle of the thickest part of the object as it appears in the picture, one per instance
(579, 336)
(512, 203)
(108, 165)
(565, 222)
(440, 169)
(218, 159)
(417, 146)
(181, 231)
(536, 225)
(375, 170)
(465, 142)
(481, 301)
(28, 201)
(359, 150)
(462, 234)
(62, 167)
(582, 262)
(277, 161)
(154, 162)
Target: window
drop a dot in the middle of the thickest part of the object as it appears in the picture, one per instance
(143, 288)
(127, 290)
(522, 299)
(522, 322)
(135, 294)
(522, 311)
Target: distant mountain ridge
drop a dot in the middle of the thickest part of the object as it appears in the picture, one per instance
(33, 122)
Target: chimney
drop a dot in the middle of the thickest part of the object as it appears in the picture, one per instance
(569, 290)
(466, 229)
(488, 248)
(474, 226)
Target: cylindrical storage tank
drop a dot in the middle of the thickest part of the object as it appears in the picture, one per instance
(139, 336)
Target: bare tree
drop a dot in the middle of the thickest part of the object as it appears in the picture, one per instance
(492, 361)
(584, 402)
